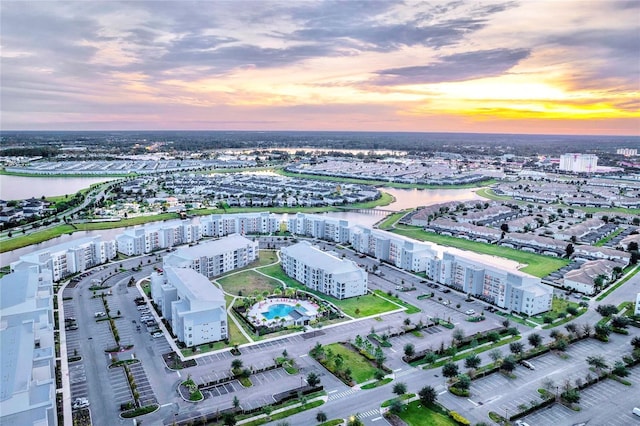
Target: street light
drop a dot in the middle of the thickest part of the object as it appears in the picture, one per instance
(506, 415)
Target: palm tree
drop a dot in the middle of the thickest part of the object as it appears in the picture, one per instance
(400, 388)
(598, 363)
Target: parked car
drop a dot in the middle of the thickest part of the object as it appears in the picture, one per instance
(99, 314)
(157, 334)
(528, 365)
(446, 290)
(470, 312)
(636, 411)
(80, 403)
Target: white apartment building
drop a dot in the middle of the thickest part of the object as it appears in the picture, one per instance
(579, 163)
(318, 226)
(515, 291)
(323, 272)
(213, 258)
(27, 349)
(133, 242)
(219, 225)
(511, 290)
(627, 152)
(194, 306)
(69, 258)
(637, 310)
(400, 251)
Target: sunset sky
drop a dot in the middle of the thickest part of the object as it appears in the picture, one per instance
(527, 66)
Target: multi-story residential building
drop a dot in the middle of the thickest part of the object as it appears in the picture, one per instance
(511, 290)
(508, 289)
(27, 349)
(323, 272)
(627, 152)
(398, 250)
(157, 236)
(216, 257)
(318, 226)
(579, 163)
(69, 258)
(192, 304)
(219, 225)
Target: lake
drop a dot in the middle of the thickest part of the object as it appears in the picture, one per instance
(23, 187)
(404, 198)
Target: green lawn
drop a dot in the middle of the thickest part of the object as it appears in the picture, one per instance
(414, 414)
(488, 193)
(248, 282)
(34, 238)
(537, 265)
(361, 368)
(609, 237)
(357, 307)
(391, 220)
(410, 308)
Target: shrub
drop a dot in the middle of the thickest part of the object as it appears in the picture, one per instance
(458, 418)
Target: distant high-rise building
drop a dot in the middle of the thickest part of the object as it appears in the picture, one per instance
(579, 163)
(627, 152)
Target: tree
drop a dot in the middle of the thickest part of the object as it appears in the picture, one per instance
(321, 417)
(607, 310)
(620, 369)
(400, 388)
(236, 402)
(571, 328)
(508, 364)
(379, 374)
(472, 361)
(572, 396)
(450, 370)
(228, 419)
(285, 354)
(236, 364)
(597, 362)
(516, 348)
(620, 322)
(313, 379)
(338, 361)
(586, 329)
(427, 395)
(396, 406)
(379, 357)
(635, 342)
(535, 340)
(463, 382)
(493, 336)
(602, 332)
(458, 335)
(569, 250)
(409, 349)
(495, 355)
(317, 351)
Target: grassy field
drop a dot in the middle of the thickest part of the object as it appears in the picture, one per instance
(488, 193)
(410, 308)
(361, 368)
(537, 265)
(382, 182)
(247, 282)
(414, 414)
(391, 220)
(609, 237)
(357, 307)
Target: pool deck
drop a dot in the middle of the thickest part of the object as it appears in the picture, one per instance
(256, 316)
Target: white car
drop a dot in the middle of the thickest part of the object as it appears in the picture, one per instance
(99, 314)
(80, 403)
(157, 334)
(470, 312)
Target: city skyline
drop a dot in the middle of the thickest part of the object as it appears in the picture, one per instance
(490, 67)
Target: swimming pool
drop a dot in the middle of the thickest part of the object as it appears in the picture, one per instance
(278, 310)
